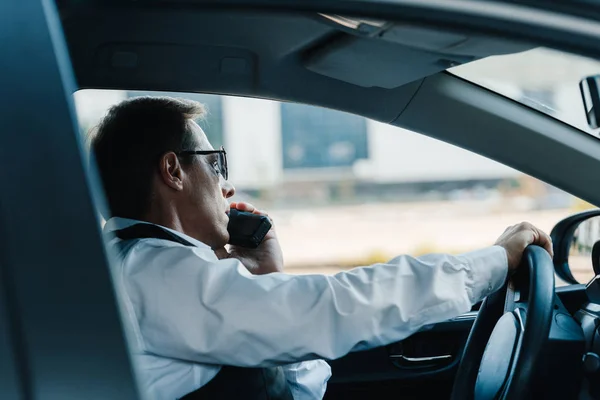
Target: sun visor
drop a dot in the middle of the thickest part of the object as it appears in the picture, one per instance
(377, 54)
(450, 43)
(369, 62)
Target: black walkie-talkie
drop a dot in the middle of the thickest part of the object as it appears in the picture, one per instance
(247, 229)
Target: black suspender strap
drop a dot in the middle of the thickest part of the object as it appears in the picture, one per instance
(149, 231)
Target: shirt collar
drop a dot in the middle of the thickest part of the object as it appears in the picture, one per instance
(117, 223)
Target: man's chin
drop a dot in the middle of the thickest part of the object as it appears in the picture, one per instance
(218, 238)
(220, 243)
(223, 238)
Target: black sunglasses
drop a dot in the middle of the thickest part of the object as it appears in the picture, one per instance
(222, 159)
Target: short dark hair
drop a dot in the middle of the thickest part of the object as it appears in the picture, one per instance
(128, 143)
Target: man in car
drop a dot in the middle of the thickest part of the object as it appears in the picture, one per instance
(199, 311)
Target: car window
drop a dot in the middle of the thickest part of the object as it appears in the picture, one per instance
(347, 191)
(554, 92)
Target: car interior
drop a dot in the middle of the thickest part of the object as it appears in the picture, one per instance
(61, 334)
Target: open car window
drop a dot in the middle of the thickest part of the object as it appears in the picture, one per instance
(346, 191)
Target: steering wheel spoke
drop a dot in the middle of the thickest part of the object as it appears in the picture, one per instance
(506, 341)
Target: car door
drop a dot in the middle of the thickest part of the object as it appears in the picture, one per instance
(11, 384)
(60, 329)
(429, 367)
(420, 367)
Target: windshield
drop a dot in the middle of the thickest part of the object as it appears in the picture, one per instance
(544, 79)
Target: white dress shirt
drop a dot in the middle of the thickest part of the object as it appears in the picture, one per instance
(191, 312)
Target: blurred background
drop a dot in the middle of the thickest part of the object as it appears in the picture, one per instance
(345, 191)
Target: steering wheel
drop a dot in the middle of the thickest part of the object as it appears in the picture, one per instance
(507, 339)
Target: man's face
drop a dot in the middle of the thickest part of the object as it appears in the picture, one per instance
(206, 192)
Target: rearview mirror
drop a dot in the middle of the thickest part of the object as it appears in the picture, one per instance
(576, 243)
(590, 93)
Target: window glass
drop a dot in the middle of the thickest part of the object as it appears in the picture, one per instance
(544, 79)
(346, 191)
(314, 137)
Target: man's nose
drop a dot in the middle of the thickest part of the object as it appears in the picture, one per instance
(227, 189)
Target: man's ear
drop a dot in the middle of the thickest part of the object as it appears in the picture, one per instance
(170, 171)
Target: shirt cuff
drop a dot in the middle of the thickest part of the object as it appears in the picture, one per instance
(488, 269)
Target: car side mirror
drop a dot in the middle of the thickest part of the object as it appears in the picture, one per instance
(590, 93)
(576, 244)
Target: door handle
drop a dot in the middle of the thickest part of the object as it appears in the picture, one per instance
(419, 360)
(403, 362)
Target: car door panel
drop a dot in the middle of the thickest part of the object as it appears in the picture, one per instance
(12, 383)
(422, 366)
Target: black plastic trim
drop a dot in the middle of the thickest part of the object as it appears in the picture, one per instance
(561, 235)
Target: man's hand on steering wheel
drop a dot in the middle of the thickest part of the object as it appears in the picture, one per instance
(517, 237)
(508, 341)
